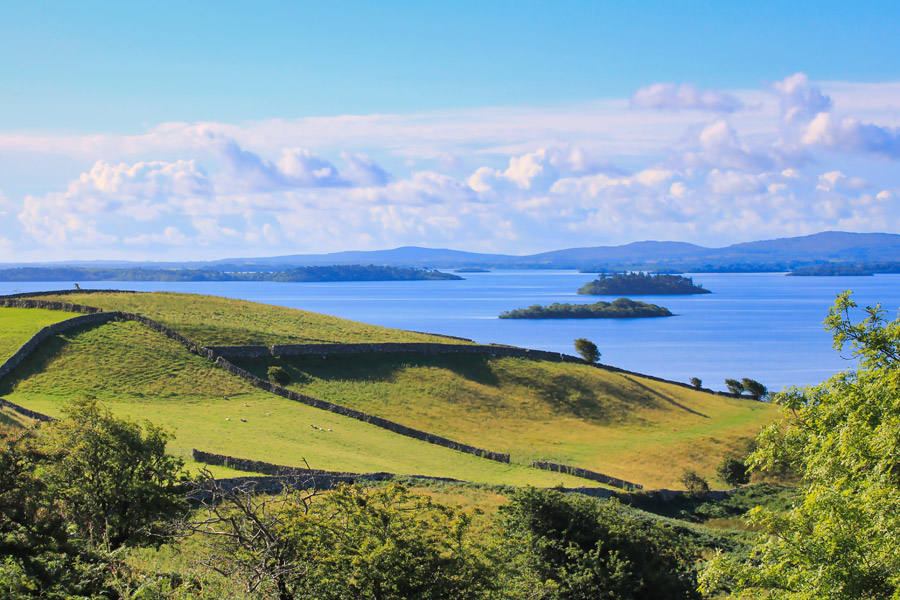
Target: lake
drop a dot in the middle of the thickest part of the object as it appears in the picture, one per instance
(764, 326)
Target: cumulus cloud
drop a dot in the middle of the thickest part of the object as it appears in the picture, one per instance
(807, 114)
(669, 96)
(536, 170)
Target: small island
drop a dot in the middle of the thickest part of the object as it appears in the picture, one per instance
(623, 308)
(471, 270)
(641, 284)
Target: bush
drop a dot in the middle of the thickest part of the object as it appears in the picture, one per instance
(733, 471)
(582, 548)
(693, 483)
(278, 376)
(588, 350)
(696, 382)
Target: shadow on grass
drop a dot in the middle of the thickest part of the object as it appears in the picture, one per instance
(664, 397)
(565, 394)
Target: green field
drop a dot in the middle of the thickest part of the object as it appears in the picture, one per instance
(17, 325)
(142, 374)
(215, 321)
(622, 425)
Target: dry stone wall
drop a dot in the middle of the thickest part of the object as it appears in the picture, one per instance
(359, 415)
(31, 414)
(586, 474)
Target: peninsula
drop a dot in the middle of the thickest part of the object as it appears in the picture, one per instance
(298, 274)
(641, 284)
(623, 308)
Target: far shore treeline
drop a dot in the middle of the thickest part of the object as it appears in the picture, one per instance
(299, 274)
(623, 308)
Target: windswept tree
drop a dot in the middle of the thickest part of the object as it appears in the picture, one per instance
(734, 386)
(588, 350)
(754, 388)
(841, 437)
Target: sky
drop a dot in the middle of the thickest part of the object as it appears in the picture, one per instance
(206, 130)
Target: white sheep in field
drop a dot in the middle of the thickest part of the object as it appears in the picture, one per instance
(243, 420)
(227, 418)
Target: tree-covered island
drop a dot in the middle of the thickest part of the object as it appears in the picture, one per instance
(637, 284)
(623, 308)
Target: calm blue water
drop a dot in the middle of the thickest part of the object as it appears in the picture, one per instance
(764, 326)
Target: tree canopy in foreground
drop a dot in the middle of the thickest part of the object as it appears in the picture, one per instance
(843, 438)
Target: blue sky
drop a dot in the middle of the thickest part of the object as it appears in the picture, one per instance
(225, 129)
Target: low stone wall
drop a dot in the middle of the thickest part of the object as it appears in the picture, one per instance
(31, 414)
(586, 474)
(67, 292)
(359, 415)
(48, 331)
(258, 466)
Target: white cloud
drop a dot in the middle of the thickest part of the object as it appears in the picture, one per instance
(668, 96)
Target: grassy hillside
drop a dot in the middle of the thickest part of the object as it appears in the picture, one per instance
(212, 320)
(144, 375)
(622, 425)
(17, 325)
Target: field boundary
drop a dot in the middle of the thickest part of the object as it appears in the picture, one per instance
(585, 474)
(96, 315)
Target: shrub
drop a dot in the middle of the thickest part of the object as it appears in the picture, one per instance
(733, 471)
(696, 382)
(278, 376)
(755, 388)
(693, 483)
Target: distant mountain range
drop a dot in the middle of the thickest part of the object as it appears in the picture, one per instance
(782, 254)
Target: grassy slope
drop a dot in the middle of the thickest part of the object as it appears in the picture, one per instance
(144, 375)
(622, 425)
(212, 320)
(17, 325)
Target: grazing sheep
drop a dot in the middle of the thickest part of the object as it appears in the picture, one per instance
(330, 429)
(243, 420)
(227, 418)
(245, 404)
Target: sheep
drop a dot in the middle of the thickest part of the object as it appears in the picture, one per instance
(243, 420)
(227, 418)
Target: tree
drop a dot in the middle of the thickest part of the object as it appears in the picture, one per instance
(112, 476)
(278, 375)
(755, 388)
(733, 471)
(694, 483)
(588, 350)
(40, 556)
(575, 547)
(841, 437)
(734, 386)
(696, 382)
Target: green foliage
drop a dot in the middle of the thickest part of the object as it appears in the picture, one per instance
(840, 540)
(588, 350)
(733, 471)
(379, 543)
(694, 483)
(734, 386)
(635, 284)
(755, 388)
(696, 382)
(278, 375)
(622, 308)
(114, 480)
(595, 550)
